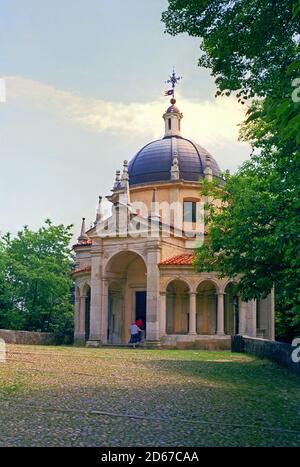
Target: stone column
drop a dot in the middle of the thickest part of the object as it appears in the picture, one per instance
(251, 318)
(82, 310)
(192, 321)
(76, 315)
(220, 315)
(266, 316)
(163, 314)
(242, 317)
(79, 332)
(96, 297)
(153, 295)
(104, 313)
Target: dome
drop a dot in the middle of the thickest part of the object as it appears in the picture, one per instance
(154, 161)
(173, 109)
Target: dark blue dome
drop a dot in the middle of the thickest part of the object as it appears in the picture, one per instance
(153, 162)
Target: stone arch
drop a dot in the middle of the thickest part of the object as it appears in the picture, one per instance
(231, 309)
(226, 283)
(216, 284)
(206, 307)
(126, 273)
(109, 265)
(85, 286)
(178, 278)
(82, 285)
(177, 303)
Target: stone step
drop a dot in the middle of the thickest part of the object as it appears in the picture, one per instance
(128, 346)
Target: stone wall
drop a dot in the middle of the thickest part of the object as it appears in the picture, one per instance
(190, 342)
(33, 338)
(278, 352)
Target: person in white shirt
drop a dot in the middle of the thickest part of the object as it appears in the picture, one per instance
(134, 334)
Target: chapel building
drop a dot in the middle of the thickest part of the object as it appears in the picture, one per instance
(138, 262)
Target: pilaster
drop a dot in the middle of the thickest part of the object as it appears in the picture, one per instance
(153, 293)
(96, 295)
(163, 314)
(192, 314)
(220, 315)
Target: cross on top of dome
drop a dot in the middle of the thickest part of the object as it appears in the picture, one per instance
(173, 80)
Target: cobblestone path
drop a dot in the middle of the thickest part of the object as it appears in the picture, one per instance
(60, 396)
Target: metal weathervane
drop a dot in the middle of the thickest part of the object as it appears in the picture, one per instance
(173, 80)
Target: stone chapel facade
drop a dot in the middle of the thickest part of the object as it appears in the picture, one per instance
(120, 277)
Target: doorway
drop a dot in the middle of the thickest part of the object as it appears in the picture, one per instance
(141, 307)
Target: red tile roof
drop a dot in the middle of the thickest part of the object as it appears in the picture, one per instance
(185, 259)
(83, 243)
(83, 269)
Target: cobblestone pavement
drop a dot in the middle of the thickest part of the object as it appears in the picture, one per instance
(60, 396)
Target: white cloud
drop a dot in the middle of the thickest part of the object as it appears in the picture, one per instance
(213, 123)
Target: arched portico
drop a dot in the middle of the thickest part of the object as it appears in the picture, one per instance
(82, 312)
(177, 304)
(206, 308)
(127, 285)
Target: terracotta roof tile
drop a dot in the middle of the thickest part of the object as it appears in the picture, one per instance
(83, 243)
(83, 269)
(185, 259)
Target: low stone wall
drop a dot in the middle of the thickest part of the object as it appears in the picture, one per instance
(200, 342)
(278, 352)
(218, 344)
(32, 338)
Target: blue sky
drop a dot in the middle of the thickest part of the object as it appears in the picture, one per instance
(85, 83)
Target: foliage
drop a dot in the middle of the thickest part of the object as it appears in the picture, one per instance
(252, 49)
(35, 279)
(247, 44)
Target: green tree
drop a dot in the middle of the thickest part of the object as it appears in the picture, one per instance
(5, 287)
(35, 279)
(247, 44)
(252, 49)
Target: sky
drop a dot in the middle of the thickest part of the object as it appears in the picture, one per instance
(85, 84)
